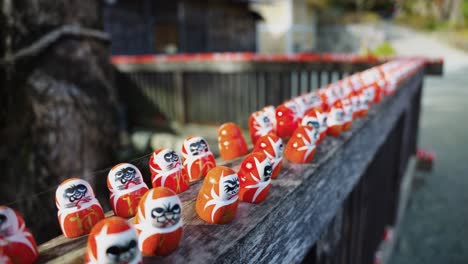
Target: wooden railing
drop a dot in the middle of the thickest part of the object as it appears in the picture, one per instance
(217, 88)
(334, 210)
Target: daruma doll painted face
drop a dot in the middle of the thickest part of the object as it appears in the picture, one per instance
(301, 146)
(126, 186)
(218, 197)
(159, 222)
(198, 159)
(231, 142)
(113, 240)
(311, 119)
(167, 171)
(17, 244)
(336, 119)
(272, 146)
(78, 208)
(255, 177)
(260, 125)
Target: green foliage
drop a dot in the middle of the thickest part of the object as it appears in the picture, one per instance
(384, 49)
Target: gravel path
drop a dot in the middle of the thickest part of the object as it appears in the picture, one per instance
(435, 227)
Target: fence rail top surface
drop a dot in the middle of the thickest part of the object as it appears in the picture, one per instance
(301, 201)
(235, 62)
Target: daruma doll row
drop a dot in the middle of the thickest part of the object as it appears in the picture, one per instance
(291, 130)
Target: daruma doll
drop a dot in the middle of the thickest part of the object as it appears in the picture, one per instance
(78, 208)
(218, 197)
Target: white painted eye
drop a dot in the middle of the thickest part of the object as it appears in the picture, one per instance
(225, 143)
(280, 113)
(295, 145)
(248, 165)
(223, 132)
(263, 145)
(299, 135)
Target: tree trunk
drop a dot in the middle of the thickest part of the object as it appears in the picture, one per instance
(61, 105)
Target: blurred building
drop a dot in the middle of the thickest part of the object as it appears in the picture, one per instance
(180, 26)
(287, 26)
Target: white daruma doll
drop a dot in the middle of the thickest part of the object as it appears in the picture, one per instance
(198, 158)
(126, 186)
(159, 222)
(17, 244)
(113, 241)
(78, 208)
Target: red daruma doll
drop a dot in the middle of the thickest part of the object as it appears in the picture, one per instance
(255, 177)
(167, 171)
(17, 245)
(127, 187)
(260, 125)
(272, 146)
(159, 222)
(78, 208)
(301, 146)
(113, 240)
(231, 142)
(218, 197)
(287, 119)
(198, 159)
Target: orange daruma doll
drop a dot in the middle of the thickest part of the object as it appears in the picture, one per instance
(255, 177)
(198, 159)
(78, 208)
(127, 187)
(301, 146)
(231, 142)
(17, 244)
(113, 240)
(218, 197)
(273, 147)
(167, 171)
(159, 222)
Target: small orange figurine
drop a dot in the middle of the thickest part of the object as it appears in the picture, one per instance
(218, 197)
(364, 103)
(231, 142)
(17, 244)
(270, 112)
(198, 159)
(311, 100)
(301, 146)
(78, 208)
(126, 186)
(312, 119)
(113, 240)
(255, 177)
(273, 147)
(335, 119)
(167, 171)
(348, 114)
(159, 222)
(259, 125)
(287, 119)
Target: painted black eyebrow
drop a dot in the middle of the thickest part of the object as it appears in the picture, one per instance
(231, 182)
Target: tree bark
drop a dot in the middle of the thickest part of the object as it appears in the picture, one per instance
(60, 110)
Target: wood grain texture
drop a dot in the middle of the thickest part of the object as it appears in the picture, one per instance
(301, 202)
